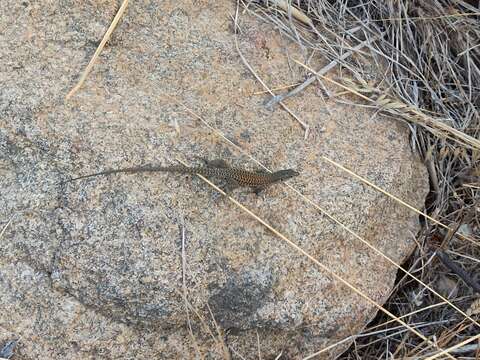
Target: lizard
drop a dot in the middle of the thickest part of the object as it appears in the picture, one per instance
(234, 177)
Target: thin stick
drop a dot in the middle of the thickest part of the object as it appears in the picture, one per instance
(311, 356)
(226, 352)
(276, 89)
(100, 47)
(291, 10)
(276, 99)
(204, 325)
(184, 288)
(5, 227)
(258, 346)
(302, 123)
(425, 18)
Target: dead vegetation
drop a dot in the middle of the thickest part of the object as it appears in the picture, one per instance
(428, 55)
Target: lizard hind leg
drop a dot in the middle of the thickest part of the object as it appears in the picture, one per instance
(230, 186)
(217, 163)
(258, 189)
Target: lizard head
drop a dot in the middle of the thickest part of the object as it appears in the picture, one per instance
(282, 175)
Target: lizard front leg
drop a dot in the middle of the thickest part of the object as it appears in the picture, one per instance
(230, 186)
(258, 189)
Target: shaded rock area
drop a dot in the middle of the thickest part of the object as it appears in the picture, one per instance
(93, 268)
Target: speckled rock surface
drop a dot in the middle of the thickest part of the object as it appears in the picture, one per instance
(93, 269)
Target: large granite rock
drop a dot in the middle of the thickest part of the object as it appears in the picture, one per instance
(93, 269)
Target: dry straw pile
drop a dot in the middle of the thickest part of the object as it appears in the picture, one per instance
(428, 53)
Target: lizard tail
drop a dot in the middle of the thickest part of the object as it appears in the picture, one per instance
(145, 168)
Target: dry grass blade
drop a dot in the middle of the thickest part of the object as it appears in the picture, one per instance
(223, 345)
(203, 323)
(262, 92)
(5, 227)
(293, 11)
(184, 289)
(99, 49)
(259, 349)
(328, 348)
